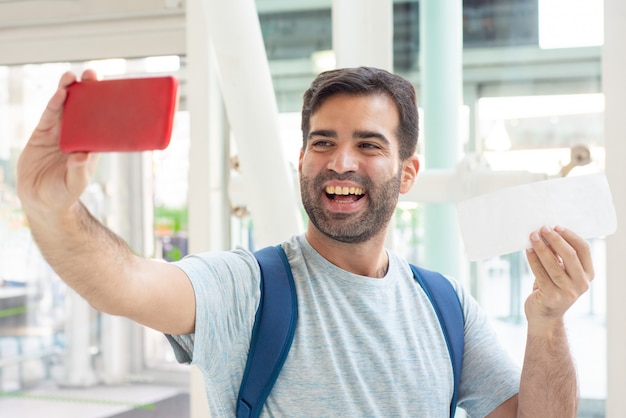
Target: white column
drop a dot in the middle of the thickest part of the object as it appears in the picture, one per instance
(128, 193)
(441, 47)
(79, 315)
(208, 203)
(246, 85)
(207, 163)
(613, 70)
(198, 403)
(79, 371)
(363, 33)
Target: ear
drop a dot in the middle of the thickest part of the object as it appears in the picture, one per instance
(410, 168)
(300, 162)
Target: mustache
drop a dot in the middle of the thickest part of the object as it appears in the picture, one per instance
(363, 181)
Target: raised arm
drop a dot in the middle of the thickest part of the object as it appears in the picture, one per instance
(84, 253)
(563, 269)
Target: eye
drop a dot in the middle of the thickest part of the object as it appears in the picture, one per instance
(369, 145)
(321, 143)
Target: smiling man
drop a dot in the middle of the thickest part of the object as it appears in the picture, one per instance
(350, 167)
(367, 341)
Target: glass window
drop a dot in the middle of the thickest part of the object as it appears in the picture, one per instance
(538, 133)
(35, 334)
(31, 297)
(489, 23)
(567, 24)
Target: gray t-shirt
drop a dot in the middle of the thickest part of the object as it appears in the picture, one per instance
(363, 347)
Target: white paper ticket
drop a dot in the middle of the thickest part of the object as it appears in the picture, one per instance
(500, 222)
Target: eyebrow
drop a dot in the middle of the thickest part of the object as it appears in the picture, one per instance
(370, 134)
(330, 133)
(327, 133)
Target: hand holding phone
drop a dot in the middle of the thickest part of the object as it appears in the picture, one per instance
(124, 115)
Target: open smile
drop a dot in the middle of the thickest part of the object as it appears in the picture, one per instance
(334, 191)
(344, 198)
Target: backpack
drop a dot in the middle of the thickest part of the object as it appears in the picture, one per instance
(277, 314)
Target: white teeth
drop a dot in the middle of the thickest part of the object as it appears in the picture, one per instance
(344, 190)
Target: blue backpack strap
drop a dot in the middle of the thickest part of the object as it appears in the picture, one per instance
(273, 331)
(449, 311)
(277, 314)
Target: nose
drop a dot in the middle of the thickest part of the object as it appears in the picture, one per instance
(343, 160)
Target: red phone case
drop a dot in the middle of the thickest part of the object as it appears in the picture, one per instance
(132, 114)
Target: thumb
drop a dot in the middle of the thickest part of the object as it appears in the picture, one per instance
(80, 169)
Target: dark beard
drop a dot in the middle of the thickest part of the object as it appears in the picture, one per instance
(345, 227)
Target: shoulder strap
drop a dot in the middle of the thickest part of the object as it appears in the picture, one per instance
(276, 318)
(273, 331)
(449, 311)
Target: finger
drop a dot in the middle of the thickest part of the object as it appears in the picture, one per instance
(581, 247)
(537, 268)
(572, 276)
(542, 276)
(546, 254)
(90, 74)
(568, 256)
(54, 109)
(80, 168)
(550, 258)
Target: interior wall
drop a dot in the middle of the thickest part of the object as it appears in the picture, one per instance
(614, 67)
(52, 31)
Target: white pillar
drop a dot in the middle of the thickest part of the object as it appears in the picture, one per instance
(441, 47)
(79, 371)
(128, 214)
(246, 85)
(208, 203)
(363, 33)
(198, 403)
(613, 70)
(79, 315)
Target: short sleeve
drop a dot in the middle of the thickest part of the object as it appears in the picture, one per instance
(226, 288)
(489, 376)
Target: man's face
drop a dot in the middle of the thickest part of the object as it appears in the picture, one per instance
(350, 171)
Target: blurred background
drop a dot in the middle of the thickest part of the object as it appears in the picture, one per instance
(530, 103)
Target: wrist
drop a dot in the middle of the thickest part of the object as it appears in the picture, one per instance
(46, 220)
(546, 326)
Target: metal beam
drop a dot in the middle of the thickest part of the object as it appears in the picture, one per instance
(354, 42)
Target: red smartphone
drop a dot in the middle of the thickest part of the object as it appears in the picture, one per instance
(125, 115)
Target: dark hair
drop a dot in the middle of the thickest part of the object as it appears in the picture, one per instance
(366, 81)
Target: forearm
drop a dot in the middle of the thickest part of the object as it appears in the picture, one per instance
(548, 386)
(87, 256)
(83, 252)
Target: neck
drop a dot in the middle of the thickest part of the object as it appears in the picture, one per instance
(365, 259)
